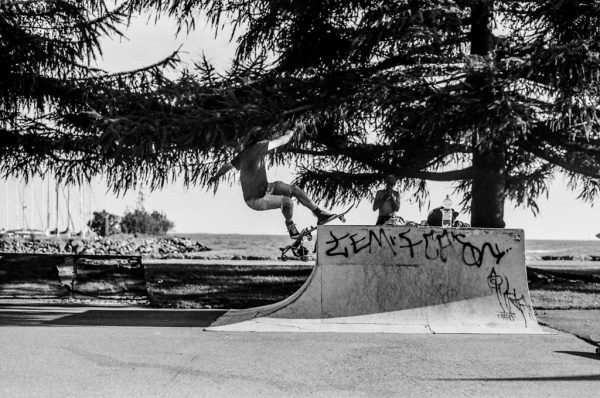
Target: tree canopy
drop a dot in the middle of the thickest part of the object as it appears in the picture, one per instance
(104, 223)
(48, 83)
(495, 95)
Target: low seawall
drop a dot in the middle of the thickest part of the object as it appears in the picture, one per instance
(56, 276)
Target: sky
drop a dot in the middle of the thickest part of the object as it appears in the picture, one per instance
(562, 215)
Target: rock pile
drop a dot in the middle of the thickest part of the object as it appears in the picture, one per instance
(147, 247)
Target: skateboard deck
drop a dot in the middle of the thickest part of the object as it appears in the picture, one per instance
(341, 216)
(297, 246)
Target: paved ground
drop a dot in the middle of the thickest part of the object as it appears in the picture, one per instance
(98, 352)
(582, 323)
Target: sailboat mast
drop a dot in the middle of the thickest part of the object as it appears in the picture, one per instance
(57, 202)
(41, 215)
(23, 207)
(6, 203)
(17, 205)
(30, 224)
(80, 210)
(48, 204)
(69, 221)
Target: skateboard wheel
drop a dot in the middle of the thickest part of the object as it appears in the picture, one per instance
(304, 258)
(343, 219)
(283, 258)
(598, 351)
(308, 237)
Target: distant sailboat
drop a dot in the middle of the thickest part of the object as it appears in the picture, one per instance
(28, 197)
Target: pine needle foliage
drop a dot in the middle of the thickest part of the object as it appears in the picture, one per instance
(497, 96)
(47, 83)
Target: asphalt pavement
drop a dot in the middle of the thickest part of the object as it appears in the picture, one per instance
(60, 351)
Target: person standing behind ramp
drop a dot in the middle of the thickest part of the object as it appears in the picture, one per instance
(387, 200)
(259, 194)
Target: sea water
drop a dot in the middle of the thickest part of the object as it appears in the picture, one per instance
(268, 246)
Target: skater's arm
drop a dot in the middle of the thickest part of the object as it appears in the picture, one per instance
(223, 170)
(284, 139)
(378, 200)
(396, 200)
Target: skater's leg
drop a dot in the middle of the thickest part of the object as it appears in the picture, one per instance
(270, 202)
(291, 190)
(287, 208)
(285, 203)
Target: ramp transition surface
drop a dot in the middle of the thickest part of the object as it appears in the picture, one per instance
(399, 279)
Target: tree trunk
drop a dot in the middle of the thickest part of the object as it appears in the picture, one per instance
(489, 180)
(489, 159)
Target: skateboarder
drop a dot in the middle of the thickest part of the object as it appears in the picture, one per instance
(387, 200)
(259, 194)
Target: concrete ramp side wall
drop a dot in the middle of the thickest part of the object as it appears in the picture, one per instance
(377, 270)
(401, 279)
(304, 303)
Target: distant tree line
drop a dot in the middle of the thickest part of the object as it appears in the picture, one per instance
(138, 221)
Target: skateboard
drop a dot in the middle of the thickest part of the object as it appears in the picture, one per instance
(297, 246)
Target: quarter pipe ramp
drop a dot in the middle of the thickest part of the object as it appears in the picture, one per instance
(399, 279)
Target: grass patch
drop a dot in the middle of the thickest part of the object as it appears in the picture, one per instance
(564, 300)
(222, 286)
(559, 290)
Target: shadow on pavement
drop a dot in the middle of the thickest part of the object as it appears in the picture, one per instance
(539, 378)
(53, 316)
(590, 355)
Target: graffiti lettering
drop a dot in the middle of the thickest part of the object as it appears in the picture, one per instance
(440, 242)
(382, 236)
(409, 244)
(519, 303)
(355, 243)
(335, 240)
(473, 256)
(428, 243)
(508, 300)
(437, 245)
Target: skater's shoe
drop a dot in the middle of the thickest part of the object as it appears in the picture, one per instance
(292, 230)
(323, 217)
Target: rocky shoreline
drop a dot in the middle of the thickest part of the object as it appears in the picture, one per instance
(147, 247)
(571, 258)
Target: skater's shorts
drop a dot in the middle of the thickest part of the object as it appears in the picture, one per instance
(269, 201)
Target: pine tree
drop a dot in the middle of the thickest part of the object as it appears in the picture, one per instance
(498, 96)
(48, 84)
